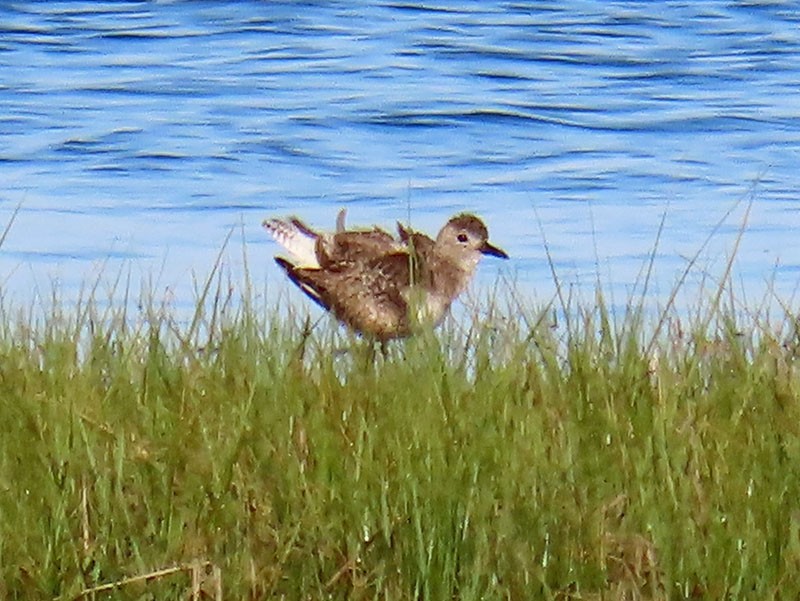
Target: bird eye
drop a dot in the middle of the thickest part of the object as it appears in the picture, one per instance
(462, 238)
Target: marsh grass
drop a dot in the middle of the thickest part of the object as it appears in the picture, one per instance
(245, 453)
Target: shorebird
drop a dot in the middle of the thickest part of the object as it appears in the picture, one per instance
(390, 289)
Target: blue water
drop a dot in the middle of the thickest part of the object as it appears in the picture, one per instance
(135, 136)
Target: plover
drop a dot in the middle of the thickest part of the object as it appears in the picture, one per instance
(386, 290)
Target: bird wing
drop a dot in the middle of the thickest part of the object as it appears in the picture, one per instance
(304, 279)
(368, 296)
(341, 217)
(354, 246)
(419, 243)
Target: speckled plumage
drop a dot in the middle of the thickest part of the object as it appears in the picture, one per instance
(319, 250)
(385, 287)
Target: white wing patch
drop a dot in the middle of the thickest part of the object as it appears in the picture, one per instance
(300, 244)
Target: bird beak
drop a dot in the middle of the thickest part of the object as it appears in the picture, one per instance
(488, 249)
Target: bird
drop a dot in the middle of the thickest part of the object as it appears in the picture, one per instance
(387, 288)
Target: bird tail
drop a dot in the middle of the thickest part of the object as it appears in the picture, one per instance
(297, 238)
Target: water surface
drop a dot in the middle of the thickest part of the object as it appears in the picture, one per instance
(136, 136)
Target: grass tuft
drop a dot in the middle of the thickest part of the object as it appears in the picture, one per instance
(250, 454)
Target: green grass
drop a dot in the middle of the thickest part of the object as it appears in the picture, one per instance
(242, 454)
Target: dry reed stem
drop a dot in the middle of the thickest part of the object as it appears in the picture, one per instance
(195, 568)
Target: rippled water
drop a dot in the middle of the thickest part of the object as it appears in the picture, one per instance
(136, 135)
